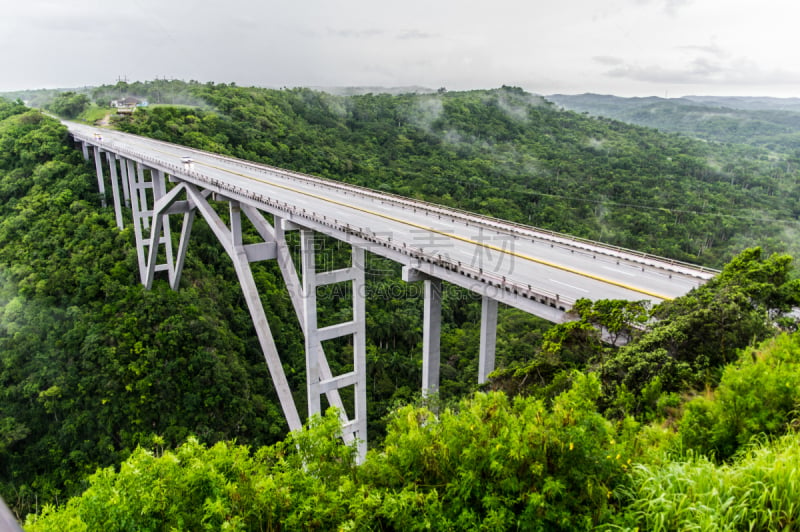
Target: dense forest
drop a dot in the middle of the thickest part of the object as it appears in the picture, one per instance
(127, 409)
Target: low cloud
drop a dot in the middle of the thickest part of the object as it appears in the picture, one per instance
(425, 112)
(416, 35)
(703, 70)
(608, 60)
(669, 6)
(355, 34)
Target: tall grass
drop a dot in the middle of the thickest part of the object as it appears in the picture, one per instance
(93, 113)
(760, 490)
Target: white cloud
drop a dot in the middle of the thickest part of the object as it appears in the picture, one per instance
(619, 46)
(416, 35)
(668, 6)
(356, 33)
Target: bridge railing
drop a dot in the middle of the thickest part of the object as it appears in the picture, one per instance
(497, 224)
(487, 282)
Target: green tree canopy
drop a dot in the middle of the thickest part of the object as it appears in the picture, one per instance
(69, 104)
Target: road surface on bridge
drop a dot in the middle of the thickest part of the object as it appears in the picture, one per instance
(520, 255)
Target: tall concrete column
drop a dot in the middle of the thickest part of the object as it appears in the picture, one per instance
(309, 280)
(160, 233)
(123, 172)
(360, 349)
(180, 259)
(142, 186)
(431, 336)
(325, 383)
(112, 165)
(488, 338)
(136, 209)
(98, 165)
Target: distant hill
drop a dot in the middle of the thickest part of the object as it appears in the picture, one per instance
(749, 103)
(355, 91)
(41, 97)
(773, 123)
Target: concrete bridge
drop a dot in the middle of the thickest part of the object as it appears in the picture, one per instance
(540, 272)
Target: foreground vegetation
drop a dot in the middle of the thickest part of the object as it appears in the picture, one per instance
(488, 462)
(153, 387)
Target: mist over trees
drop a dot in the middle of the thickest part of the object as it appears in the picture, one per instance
(167, 392)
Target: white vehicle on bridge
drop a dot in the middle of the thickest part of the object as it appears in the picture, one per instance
(188, 163)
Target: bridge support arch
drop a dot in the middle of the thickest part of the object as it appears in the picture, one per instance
(145, 190)
(143, 186)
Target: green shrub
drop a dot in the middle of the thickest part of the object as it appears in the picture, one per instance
(499, 463)
(491, 463)
(758, 394)
(298, 483)
(760, 491)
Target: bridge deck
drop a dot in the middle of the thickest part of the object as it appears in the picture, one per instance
(475, 251)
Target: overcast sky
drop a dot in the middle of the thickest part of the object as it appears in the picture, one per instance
(624, 47)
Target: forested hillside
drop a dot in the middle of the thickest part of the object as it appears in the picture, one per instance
(153, 385)
(93, 365)
(770, 123)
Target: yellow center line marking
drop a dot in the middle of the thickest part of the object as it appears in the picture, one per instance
(431, 229)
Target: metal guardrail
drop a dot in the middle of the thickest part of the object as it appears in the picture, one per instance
(486, 278)
(512, 228)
